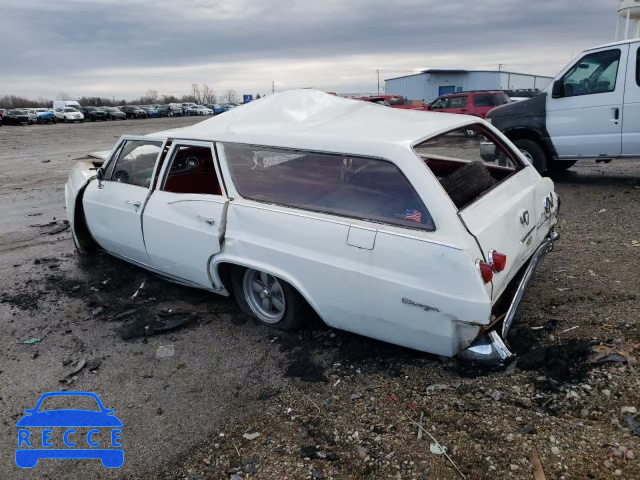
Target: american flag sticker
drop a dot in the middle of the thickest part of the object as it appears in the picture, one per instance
(413, 215)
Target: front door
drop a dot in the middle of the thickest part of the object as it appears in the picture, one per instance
(113, 207)
(585, 120)
(185, 216)
(457, 104)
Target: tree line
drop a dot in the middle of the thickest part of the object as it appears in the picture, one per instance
(200, 94)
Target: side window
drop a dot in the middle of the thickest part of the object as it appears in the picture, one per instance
(440, 103)
(484, 100)
(134, 163)
(354, 187)
(458, 102)
(594, 73)
(192, 171)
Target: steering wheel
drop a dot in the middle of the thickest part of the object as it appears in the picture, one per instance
(121, 176)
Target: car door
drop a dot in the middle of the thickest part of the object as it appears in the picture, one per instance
(113, 207)
(584, 111)
(631, 109)
(184, 219)
(440, 105)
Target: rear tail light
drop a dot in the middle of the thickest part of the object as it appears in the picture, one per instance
(486, 270)
(498, 260)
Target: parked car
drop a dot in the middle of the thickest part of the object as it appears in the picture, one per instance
(151, 111)
(477, 103)
(66, 103)
(202, 110)
(31, 114)
(45, 116)
(217, 108)
(68, 114)
(15, 117)
(590, 111)
(436, 256)
(2, 110)
(93, 113)
(189, 107)
(169, 111)
(132, 111)
(114, 113)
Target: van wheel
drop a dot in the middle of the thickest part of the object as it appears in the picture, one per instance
(534, 153)
(268, 299)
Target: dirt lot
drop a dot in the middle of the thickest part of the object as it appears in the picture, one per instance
(326, 404)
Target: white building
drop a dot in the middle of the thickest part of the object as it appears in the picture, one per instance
(430, 84)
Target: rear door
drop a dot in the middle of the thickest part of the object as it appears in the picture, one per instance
(113, 207)
(585, 120)
(184, 219)
(458, 104)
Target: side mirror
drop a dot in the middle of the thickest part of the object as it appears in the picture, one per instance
(558, 89)
(100, 176)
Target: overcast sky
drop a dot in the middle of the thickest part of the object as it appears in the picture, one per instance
(123, 48)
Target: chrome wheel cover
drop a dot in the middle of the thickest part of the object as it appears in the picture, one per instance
(264, 295)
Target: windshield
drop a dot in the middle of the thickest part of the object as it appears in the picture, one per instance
(90, 109)
(69, 109)
(16, 112)
(41, 110)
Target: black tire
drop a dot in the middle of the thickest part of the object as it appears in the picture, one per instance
(466, 183)
(296, 307)
(560, 165)
(534, 152)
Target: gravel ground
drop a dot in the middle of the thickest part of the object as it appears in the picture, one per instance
(325, 403)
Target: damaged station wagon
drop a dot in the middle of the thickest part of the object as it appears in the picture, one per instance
(392, 224)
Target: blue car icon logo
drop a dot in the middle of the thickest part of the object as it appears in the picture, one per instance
(69, 433)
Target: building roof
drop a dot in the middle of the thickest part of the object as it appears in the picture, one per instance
(313, 120)
(432, 71)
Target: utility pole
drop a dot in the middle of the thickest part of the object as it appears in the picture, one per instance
(273, 86)
(378, 73)
(499, 67)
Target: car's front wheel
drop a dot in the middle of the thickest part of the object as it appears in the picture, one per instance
(268, 299)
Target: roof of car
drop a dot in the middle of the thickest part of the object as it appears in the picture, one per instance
(314, 120)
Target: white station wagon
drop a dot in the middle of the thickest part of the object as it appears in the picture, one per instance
(385, 222)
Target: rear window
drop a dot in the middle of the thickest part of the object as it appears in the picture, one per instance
(468, 162)
(365, 188)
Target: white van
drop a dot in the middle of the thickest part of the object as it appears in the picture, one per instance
(590, 111)
(65, 103)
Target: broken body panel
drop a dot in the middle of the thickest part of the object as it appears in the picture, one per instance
(418, 288)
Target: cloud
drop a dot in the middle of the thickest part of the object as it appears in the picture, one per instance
(124, 47)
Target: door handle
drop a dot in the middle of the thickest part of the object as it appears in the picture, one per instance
(210, 221)
(135, 204)
(616, 115)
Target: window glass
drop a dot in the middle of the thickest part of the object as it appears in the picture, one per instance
(355, 187)
(483, 100)
(135, 163)
(458, 102)
(440, 103)
(192, 171)
(594, 73)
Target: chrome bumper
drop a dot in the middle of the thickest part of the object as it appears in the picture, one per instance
(491, 347)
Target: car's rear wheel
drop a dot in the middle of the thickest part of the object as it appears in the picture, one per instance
(560, 165)
(534, 153)
(268, 299)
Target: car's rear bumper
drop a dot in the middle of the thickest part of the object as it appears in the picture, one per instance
(491, 346)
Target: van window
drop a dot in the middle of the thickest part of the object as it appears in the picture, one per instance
(192, 171)
(594, 73)
(468, 162)
(345, 185)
